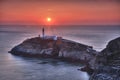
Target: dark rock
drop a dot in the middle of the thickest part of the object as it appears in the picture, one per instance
(87, 69)
(107, 65)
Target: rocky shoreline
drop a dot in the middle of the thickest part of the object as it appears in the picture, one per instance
(104, 65)
(107, 62)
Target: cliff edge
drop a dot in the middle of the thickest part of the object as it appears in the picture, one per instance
(107, 63)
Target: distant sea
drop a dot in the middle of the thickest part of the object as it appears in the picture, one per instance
(21, 68)
(93, 35)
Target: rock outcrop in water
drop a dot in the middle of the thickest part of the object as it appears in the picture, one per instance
(107, 64)
(70, 50)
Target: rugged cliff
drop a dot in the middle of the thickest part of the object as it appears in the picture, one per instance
(107, 63)
(70, 50)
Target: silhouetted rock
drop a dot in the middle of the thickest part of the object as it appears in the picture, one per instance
(107, 65)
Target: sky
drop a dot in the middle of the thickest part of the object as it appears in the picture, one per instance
(69, 12)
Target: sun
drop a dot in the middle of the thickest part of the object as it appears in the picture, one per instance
(49, 19)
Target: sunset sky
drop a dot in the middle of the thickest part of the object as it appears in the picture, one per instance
(60, 11)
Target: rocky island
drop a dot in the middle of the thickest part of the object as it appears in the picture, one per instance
(61, 48)
(57, 47)
(105, 65)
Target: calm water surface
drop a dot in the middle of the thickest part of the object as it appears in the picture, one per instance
(22, 68)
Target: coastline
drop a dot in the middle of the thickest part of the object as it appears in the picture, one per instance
(69, 51)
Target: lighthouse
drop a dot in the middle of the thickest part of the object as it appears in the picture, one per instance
(48, 37)
(43, 33)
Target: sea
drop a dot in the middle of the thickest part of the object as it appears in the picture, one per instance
(23, 68)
